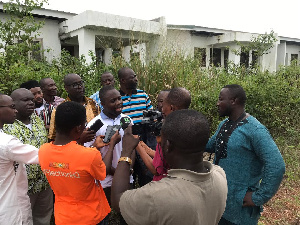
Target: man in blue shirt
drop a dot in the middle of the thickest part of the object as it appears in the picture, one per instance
(252, 162)
(106, 79)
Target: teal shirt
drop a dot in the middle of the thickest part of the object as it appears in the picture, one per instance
(37, 136)
(253, 163)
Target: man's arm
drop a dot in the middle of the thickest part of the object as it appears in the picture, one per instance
(17, 151)
(115, 139)
(121, 180)
(273, 168)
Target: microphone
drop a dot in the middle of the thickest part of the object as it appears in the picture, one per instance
(124, 122)
(96, 126)
(111, 130)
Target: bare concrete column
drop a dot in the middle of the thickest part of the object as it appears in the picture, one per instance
(86, 40)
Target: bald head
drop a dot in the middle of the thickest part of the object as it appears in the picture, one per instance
(7, 110)
(24, 101)
(69, 78)
(179, 97)
(128, 80)
(123, 72)
(19, 93)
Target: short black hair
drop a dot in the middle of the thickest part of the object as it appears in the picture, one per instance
(104, 90)
(30, 84)
(69, 115)
(179, 97)
(186, 129)
(237, 91)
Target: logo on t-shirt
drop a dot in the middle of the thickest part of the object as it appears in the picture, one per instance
(59, 165)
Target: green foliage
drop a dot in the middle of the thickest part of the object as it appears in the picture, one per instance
(260, 45)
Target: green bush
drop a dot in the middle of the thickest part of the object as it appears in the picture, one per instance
(272, 97)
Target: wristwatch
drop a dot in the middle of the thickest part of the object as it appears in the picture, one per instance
(125, 159)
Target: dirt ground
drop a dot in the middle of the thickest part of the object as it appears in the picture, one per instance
(284, 207)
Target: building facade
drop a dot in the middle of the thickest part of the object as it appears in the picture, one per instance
(106, 35)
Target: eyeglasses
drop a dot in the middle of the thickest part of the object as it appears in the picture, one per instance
(77, 84)
(13, 106)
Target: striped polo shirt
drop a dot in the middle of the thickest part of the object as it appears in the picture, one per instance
(135, 104)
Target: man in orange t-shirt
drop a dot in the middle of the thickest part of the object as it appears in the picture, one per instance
(72, 170)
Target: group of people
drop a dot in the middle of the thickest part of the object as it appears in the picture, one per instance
(47, 146)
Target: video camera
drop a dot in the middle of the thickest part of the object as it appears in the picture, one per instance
(151, 123)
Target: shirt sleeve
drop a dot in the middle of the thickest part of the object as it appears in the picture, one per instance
(137, 207)
(17, 151)
(148, 103)
(273, 166)
(98, 168)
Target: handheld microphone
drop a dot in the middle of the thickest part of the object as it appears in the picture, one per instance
(96, 126)
(110, 131)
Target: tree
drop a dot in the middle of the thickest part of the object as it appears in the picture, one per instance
(258, 45)
(18, 31)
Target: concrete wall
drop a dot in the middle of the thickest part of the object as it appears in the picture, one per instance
(50, 39)
(180, 41)
(281, 52)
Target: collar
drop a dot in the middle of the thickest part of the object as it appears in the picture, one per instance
(105, 117)
(191, 175)
(86, 99)
(123, 93)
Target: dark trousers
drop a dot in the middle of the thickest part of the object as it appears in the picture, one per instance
(225, 222)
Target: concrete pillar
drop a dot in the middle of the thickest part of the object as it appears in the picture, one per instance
(233, 57)
(157, 43)
(143, 53)
(281, 54)
(86, 40)
(222, 57)
(207, 57)
(126, 53)
(269, 60)
(107, 57)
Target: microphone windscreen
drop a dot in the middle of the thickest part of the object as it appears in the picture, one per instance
(96, 126)
(124, 122)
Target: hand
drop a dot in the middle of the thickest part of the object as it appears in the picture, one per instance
(86, 136)
(116, 138)
(248, 200)
(99, 142)
(129, 142)
(158, 139)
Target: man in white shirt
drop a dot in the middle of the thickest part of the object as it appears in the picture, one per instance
(13, 177)
(110, 115)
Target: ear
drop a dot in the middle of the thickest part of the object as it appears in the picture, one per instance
(172, 108)
(234, 101)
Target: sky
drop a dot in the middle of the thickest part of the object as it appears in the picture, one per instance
(255, 16)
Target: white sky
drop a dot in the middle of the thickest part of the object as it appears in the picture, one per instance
(256, 16)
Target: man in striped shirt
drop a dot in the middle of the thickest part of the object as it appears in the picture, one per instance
(135, 101)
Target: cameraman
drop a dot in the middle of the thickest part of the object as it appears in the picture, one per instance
(176, 99)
